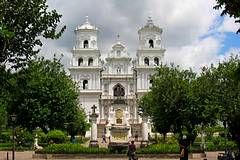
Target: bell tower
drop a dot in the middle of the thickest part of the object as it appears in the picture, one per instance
(86, 36)
(86, 66)
(149, 54)
(150, 36)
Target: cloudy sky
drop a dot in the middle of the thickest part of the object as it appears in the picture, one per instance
(193, 33)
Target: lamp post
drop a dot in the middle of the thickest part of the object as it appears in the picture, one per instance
(13, 118)
(225, 131)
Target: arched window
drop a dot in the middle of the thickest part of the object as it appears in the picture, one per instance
(85, 84)
(150, 83)
(118, 90)
(146, 61)
(85, 44)
(80, 62)
(90, 61)
(156, 61)
(151, 43)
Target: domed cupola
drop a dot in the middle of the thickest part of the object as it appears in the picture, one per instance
(86, 36)
(150, 36)
(86, 25)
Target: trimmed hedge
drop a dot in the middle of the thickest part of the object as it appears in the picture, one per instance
(5, 136)
(72, 149)
(8, 146)
(159, 149)
(230, 145)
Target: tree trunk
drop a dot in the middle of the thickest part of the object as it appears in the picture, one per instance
(164, 137)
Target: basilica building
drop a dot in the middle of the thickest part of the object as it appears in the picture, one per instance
(116, 83)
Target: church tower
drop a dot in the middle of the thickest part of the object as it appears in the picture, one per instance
(86, 67)
(149, 55)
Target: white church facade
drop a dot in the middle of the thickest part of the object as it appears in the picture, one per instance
(115, 84)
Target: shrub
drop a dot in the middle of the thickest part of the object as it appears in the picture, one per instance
(159, 148)
(23, 138)
(72, 149)
(6, 146)
(5, 137)
(82, 139)
(230, 145)
(56, 136)
(42, 139)
(217, 140)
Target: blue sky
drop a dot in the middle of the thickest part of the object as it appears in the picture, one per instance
(232, 40)
(194, 34)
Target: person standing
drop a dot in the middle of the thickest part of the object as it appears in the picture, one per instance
(136, 136)
(132, 151)
(104, 138)
(184, 146)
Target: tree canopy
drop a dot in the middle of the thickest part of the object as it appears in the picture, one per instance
(230, 7)
(22, 23)
(177, 102)
(180, 101)
(44, 96)
(227, 89)
(78, 125)
(6, 91)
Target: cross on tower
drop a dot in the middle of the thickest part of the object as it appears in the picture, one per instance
(118, 38)
(94, 109)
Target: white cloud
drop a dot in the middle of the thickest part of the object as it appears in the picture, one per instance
(196, 54)
(183, 21)
(190, 28)
(51, 48)
(228, 25)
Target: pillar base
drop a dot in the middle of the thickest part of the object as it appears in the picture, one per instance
(144, 144)
(93, 144)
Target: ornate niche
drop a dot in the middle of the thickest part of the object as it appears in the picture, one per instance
(119, 116)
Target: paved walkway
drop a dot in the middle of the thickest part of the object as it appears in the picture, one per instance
(27, 155)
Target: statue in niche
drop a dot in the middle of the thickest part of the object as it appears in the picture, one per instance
(93, 42)
(119, 91)
(118, 70)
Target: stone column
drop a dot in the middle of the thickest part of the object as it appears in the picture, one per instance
(93, 118)
(135, 112)
(108, 130)
(93, 141)
(144, 141)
